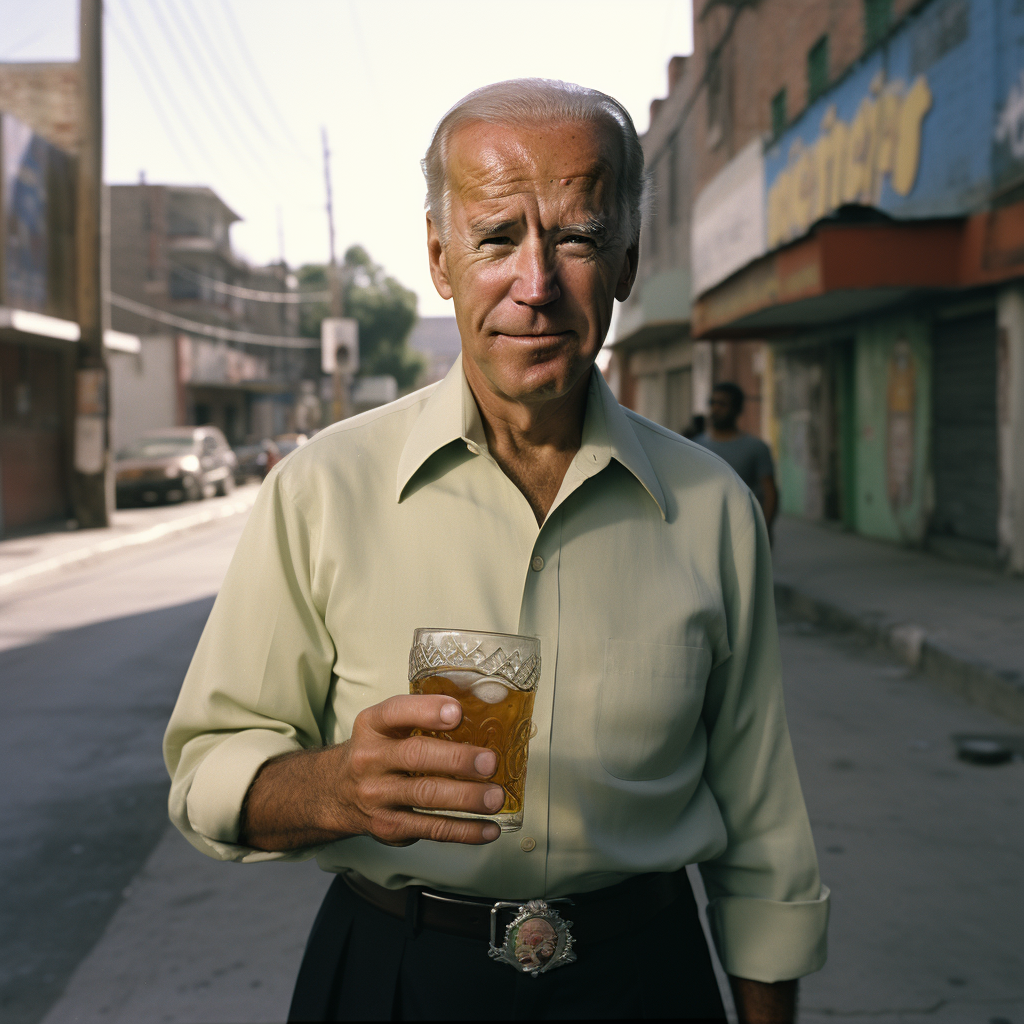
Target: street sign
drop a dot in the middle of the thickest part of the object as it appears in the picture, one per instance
(339, 345)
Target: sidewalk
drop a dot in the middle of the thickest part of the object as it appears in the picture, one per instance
(24, 558)
(961, 626)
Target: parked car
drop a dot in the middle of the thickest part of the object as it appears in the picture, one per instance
(250, 461)
(174, 464)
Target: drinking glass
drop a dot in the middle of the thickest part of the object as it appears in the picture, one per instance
(494, 677)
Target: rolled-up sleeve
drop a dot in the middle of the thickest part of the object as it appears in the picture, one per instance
(233, 714)
(767, 909)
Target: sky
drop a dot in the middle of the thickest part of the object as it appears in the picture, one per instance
(233, 94)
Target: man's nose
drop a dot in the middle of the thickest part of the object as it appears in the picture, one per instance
(536, 282)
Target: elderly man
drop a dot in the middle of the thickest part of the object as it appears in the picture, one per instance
(516, 496)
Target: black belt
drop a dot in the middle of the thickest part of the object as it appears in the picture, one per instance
(635, 900)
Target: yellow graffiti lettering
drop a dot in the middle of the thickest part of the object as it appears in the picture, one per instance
(916, 104)
(849, 162)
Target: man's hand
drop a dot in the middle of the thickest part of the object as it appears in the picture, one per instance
(369, 784)
(757, 1002)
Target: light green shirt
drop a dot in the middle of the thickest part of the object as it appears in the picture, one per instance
(661, 735)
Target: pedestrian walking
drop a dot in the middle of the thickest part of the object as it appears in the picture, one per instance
(515, 497)
(748, 455)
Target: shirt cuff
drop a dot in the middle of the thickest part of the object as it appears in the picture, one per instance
(766, 940)
(218, 789)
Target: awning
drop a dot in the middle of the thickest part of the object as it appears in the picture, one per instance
(843, 270)
(19, 322)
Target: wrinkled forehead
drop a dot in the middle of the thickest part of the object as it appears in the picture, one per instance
(576, 162)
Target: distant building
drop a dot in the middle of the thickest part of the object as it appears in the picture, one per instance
(437, 339)
(171, 265)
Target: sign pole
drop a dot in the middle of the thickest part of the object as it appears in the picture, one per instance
(339, 378)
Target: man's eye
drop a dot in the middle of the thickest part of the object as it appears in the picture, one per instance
(497, 240)
(578, 239)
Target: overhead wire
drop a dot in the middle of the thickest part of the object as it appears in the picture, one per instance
(195, 327)
(179, 46)
(216, 59)
(247, 57)
(252, 294)
(153, 94)
(171, 95)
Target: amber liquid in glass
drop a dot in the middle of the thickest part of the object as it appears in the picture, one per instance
(494, 715)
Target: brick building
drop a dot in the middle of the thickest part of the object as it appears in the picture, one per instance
(38, 316)
(860, 211)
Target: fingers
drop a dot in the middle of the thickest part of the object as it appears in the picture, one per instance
(433, 756)
(447, 795)
(402, 827)
(397, 715)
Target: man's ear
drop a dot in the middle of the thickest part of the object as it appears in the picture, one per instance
(628, 275)
(438, 260)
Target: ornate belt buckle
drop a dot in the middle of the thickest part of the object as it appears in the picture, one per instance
(537, 940)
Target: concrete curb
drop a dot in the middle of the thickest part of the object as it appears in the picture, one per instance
(1000, 692)
(224, 510)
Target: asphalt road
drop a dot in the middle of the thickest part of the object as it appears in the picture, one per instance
(108, 915)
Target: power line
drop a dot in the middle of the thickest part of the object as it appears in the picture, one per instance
(171, 95)
(253, 294)
(209, 106)
(153, 94)
(206, 38)
(193, 326)
(240, 43)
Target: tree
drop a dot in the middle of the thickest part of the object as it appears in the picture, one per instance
(383, 307)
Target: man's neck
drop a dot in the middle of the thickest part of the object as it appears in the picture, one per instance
(723, 433)
(533, 443)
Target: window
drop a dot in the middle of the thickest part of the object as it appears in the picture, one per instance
(877, 16)
(182, 286)
(779, 118)
(817, 69)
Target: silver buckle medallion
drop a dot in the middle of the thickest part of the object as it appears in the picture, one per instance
(537, 939)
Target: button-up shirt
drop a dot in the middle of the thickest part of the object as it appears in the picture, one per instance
(661, 737)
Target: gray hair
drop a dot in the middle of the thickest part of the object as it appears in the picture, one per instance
(530, 101)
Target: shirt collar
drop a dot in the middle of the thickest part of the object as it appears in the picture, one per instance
(450, 414)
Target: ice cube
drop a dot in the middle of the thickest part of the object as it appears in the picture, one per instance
(490, 690)
(462, 678)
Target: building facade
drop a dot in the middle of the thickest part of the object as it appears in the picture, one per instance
(876, 242)
(216, 346)
(38, 328)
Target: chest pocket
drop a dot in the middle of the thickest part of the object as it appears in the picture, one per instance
(650, 701)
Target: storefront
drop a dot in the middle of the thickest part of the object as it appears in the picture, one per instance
(884, 268)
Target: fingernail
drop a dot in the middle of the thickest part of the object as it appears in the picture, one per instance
(451, 713)
(491, 832)
(494, 798)
(485, 763)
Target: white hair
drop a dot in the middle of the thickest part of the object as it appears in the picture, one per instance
(534, 101)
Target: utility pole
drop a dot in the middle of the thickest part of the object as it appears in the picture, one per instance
(91, 462)
(340, 379)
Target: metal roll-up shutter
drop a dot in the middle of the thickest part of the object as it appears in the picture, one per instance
(964, 440)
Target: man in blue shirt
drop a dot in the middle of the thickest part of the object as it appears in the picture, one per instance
(748, 455)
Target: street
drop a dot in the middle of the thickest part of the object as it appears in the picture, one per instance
(110, 916)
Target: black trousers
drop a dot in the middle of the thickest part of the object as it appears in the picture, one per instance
(363, 964)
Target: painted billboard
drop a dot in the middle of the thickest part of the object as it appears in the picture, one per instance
(927, 125)
(36, 221)
(25, 242)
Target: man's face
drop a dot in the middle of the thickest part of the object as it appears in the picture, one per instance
(722, 410)
(535, 253)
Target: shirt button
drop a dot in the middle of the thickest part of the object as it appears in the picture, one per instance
(473, 448)
(527, 844)
(537, 564)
